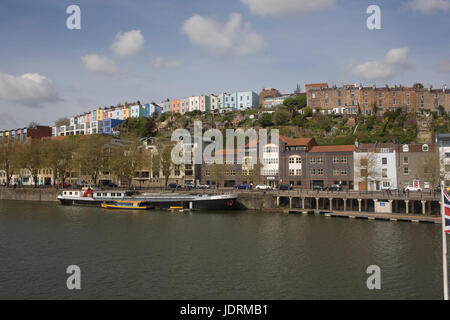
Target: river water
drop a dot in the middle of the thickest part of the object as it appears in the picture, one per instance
(211, 255)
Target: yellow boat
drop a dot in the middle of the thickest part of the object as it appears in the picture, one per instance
(128, 205)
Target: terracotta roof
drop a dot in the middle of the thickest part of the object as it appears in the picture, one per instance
(316, 84)
(293, 142)
(342, 148)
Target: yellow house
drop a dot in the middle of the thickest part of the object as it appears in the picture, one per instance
(100, 114)
(125, 113)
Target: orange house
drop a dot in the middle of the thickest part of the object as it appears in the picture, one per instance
(175, 106)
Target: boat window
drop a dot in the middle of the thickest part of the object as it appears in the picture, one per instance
(119, 194)
(99, 194)
(70, 193)
(113, 194)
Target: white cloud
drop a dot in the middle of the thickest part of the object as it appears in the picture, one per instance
(161, 62)
(282, 7)
(28, 89)
(430, 6)
(128, 43)
(232, 38)
(98, 64)
(395, 60)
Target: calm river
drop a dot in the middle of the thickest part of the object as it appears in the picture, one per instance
(211, 255)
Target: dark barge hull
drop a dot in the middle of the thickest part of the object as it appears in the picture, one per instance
(213, 204)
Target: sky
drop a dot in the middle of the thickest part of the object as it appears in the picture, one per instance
(152, 50)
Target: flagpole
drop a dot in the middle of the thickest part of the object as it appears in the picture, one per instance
(444, 244)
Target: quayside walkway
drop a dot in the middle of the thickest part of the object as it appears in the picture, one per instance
(377, 201)
(371, 216)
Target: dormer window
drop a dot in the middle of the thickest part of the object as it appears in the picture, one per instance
(405, 148)
(425, 148)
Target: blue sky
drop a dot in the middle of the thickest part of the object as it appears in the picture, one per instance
(182, 48)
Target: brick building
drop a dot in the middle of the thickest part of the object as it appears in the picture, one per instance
(268, 93)
(352, 99)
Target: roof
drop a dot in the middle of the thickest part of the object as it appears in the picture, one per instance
(294, 142)
(339, 148)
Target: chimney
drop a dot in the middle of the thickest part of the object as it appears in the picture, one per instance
(374, 87)
(430, 88)
(444, 88)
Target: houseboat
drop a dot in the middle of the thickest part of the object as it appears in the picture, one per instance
(90, 197)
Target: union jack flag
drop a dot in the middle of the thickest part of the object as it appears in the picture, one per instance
(446, 210)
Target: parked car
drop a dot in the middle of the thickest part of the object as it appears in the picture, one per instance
(334, 187)
(284, 187)
(242, 187)
(412, 188)
(437, 189)
(112, 185)
(203, 186)
(174, 185)
(189, 185)
(318, 188)
(263, 187)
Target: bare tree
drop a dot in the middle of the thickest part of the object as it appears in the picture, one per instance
(430, 169)
(31, 156)
(92, 156)
(8, 160)
(165, 160)
(218, 173)
(365, 169)
(127, 159)
(62, 122)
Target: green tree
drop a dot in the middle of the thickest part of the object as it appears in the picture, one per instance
(281, 116)
(265, 120)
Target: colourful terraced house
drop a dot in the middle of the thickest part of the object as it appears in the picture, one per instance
(134, 111)
(125, 113)
(99, 114)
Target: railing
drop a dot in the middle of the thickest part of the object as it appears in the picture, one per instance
(303, 193)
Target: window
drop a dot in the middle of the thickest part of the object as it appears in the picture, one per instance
(425, 148)
(386, 184)
(384, 160)
(298, 172)
(405, 160)
(384, 173)
(447, 154)
(405, 170)
(291, 172)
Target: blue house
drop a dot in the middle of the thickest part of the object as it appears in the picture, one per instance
(145, 110)
(154, 110)
(109, 124)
